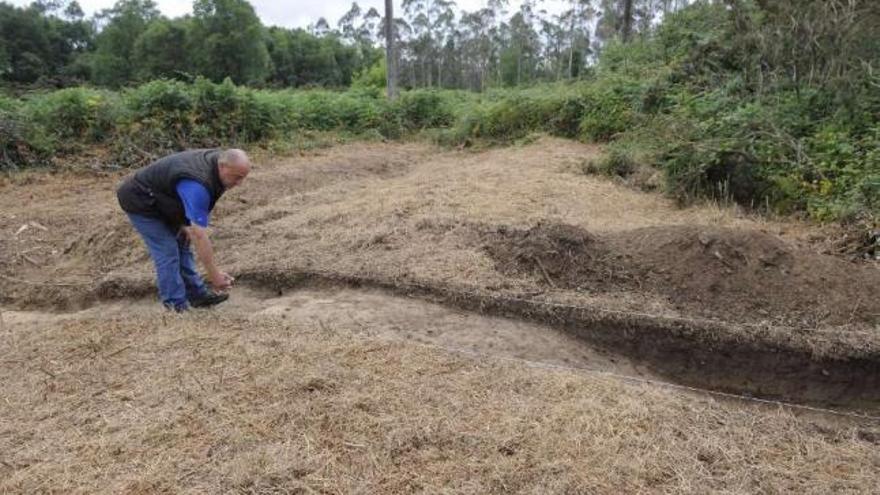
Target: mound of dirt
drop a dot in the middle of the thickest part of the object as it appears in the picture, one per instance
(728, 274)
(750, 275)
(563, 256)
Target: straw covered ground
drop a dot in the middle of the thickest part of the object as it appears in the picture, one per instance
(399, 311)
(131, 401)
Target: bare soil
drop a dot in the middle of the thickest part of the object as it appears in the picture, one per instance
(363, 267)
(727, 274)
(476, 219)
(521, 223)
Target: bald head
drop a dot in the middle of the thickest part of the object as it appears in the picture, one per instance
(234, 166)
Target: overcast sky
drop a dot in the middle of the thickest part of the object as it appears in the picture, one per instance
(295, 13)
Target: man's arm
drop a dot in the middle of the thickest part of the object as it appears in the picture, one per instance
(196, 205)
(199, 237)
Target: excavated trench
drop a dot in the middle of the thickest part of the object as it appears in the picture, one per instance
(705, 354)
(701, 271)
(697, 353)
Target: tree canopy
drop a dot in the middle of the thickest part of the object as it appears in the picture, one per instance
(51, 42)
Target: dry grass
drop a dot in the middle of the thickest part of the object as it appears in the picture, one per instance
(359, 208)
(125, 399)
(405, 212)
(414, 224)
(213, 404)
(418, 223)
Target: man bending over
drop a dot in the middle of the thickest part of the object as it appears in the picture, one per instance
(169, 202)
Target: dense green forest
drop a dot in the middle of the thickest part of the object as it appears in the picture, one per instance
(773, 104)
(52, 43)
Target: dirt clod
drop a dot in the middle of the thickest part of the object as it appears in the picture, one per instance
(563, 256)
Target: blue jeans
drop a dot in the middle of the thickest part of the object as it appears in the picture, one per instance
(176, 274)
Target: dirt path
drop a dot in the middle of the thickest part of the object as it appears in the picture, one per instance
(373, 314)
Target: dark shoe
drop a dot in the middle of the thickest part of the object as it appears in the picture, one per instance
(209, 299)
(176, 309)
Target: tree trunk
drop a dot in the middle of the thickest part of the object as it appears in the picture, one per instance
(626, 31)
(574, 13)
(440, 61)
(390, 59)
(519, 69)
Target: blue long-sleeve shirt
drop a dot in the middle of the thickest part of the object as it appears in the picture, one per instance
(196, 202)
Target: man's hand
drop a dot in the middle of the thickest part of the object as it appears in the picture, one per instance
(221, 281)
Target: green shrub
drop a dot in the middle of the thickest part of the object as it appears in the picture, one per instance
(216, 111)
(226, 114)
(506, 115)
(566, 120)
(844, 178)
(22, 144)
(76, 114)
(422, 109)
(625, 156)
(371, 77)
(162, 114)
(314, 110)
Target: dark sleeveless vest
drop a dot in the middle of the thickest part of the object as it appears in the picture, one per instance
(151, 191)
